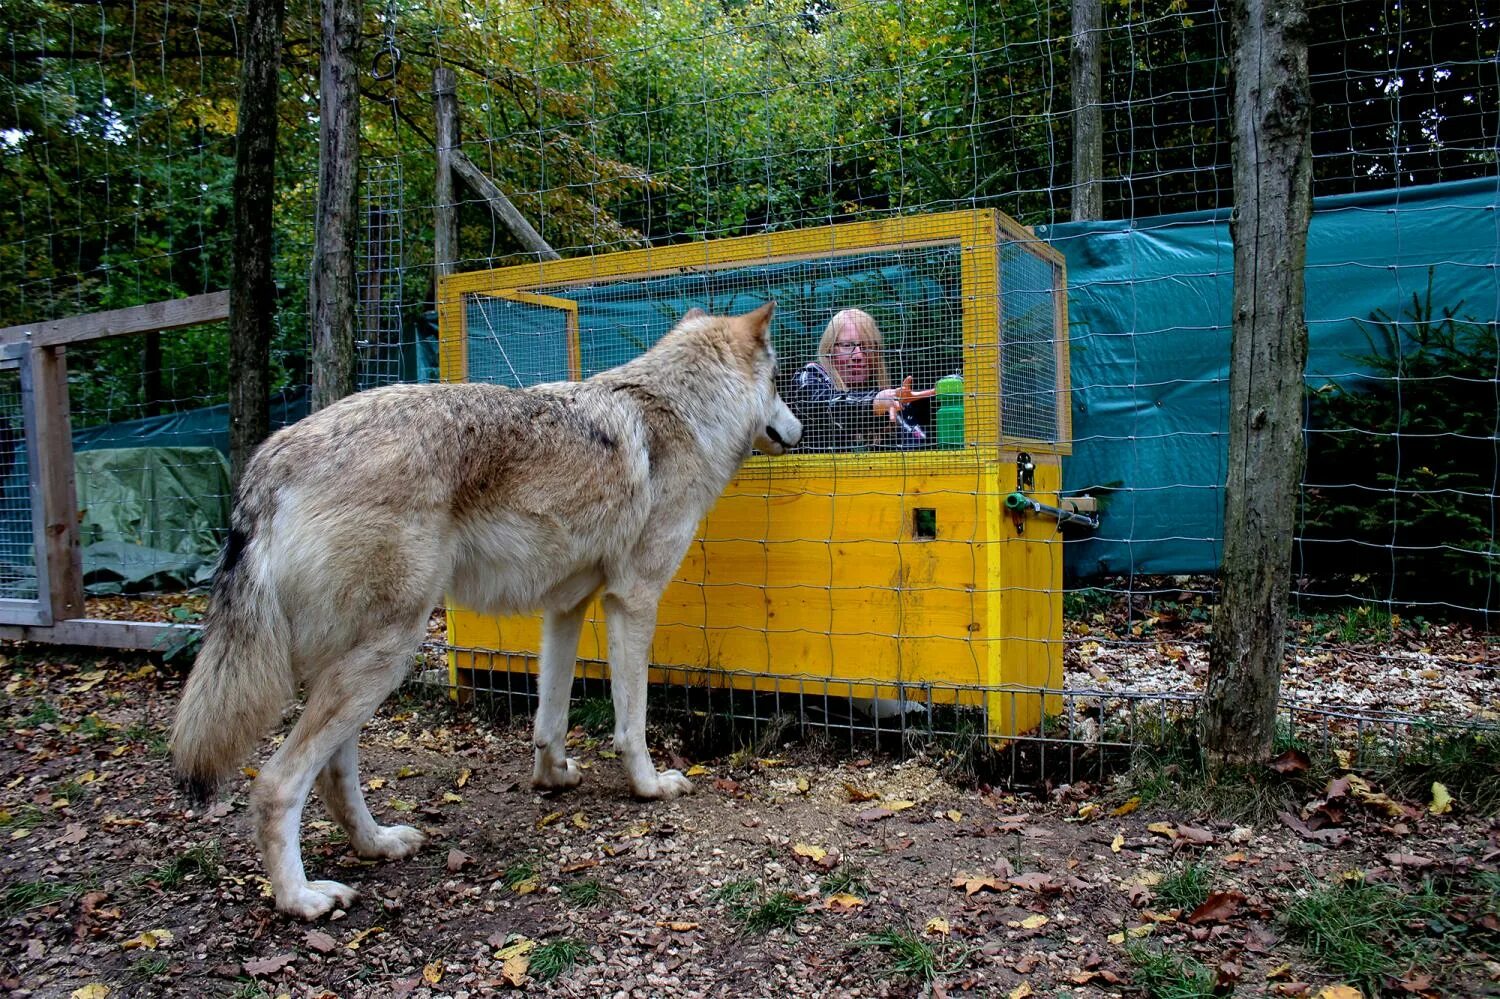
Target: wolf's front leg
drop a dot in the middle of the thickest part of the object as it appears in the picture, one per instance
(632, 622)
(552, 769)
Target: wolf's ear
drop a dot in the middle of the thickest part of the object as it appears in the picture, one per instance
(758, 323)
(694, 313)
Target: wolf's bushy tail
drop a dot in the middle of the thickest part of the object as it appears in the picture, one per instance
(242, 678)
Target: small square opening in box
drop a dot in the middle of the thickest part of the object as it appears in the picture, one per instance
(924, 523)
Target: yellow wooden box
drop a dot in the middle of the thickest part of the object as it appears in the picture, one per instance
(816, 573)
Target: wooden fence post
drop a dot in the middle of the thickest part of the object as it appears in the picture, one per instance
(1088, 133)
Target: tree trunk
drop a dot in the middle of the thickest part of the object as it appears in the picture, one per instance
(1088, 135)
(1273, 199)
(252, 288)
(334, 274)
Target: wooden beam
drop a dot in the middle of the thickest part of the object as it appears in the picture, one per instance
(175, 314)
(500, 206)
(1088, 131)
(141, 636)
(58, 489)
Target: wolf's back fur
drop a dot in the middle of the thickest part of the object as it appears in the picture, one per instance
(352, 524)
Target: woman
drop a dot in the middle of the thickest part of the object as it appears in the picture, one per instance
(842, 397)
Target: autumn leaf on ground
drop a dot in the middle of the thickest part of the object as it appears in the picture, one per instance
(149, 940)
(857, 793)
(458, 860)
(1118, 843)
(973, 883)
(319, 941)
(1195, 835)
(1442, 802)
(359, 937)
(268, 965)
(515, 946)
(1036, 881)
(93, 990)
(1126, 808)
(1340, 992)
(1219, 907)
(937, 926)
(1333, 837)
(1162, 829)
(697, 770)
(809, 851)
(462, 778)
(1293, 761)
(1022, 991)
(432, 973)
(1029, 923)
(844, 902)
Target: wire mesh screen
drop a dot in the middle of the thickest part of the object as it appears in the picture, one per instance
(379, 353)
(634, 125)
(1031, 395)
(18, 577)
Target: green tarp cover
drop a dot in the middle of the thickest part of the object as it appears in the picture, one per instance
(1149, 307)
(152, 516)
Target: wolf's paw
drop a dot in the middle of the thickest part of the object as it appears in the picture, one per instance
(669, 784)
(315, 899)
(558, 778)
(391, 843)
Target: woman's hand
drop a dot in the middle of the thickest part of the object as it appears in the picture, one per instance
(892, 400)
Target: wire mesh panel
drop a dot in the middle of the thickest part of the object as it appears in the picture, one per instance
(18, 564)
(381, 344)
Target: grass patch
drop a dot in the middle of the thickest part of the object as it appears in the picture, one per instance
(1466, 763)
(42, 713)
(847, 880)
(914, 957)
(595, 715)
(556, 957)
(26, 895)
(1186, 888)
(1364, 932)
(92, 729)
(518, 873)
(200, 863)
(148, 966)
(24, 817)
(1160, 975)
(586, 893)
(777, 911)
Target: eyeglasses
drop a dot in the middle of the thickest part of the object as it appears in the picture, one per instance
(847, 349)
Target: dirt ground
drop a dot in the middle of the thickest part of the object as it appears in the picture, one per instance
(789, 872)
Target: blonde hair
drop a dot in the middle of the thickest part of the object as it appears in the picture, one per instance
(869, 340)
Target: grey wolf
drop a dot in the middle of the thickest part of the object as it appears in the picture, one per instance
(352, 524)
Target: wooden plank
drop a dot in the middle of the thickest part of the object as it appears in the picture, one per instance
(142, 636)
(505, 213)
(175, 314)
(58, 490)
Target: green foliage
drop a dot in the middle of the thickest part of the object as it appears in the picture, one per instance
(1160, 975)
(199, 863)
(585, 893)
(25, 895)
(556, 957)
(914, 957)
(595, 715)
(1187, 887)
(1358, 931)
(1400, 500)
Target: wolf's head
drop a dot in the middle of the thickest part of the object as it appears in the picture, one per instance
(776, 428)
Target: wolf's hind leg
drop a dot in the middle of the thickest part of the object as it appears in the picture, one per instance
(551, 768)
(338, 785)
(341, 699)
(632, 622)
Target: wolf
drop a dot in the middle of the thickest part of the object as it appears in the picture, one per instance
(350, 526)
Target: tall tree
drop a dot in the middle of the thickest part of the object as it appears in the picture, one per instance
(334, 273)
(1272, 156)
(252, 288)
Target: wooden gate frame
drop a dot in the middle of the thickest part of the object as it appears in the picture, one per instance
(41, 350)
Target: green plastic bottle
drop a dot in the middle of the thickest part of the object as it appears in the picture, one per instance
(950, 412)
